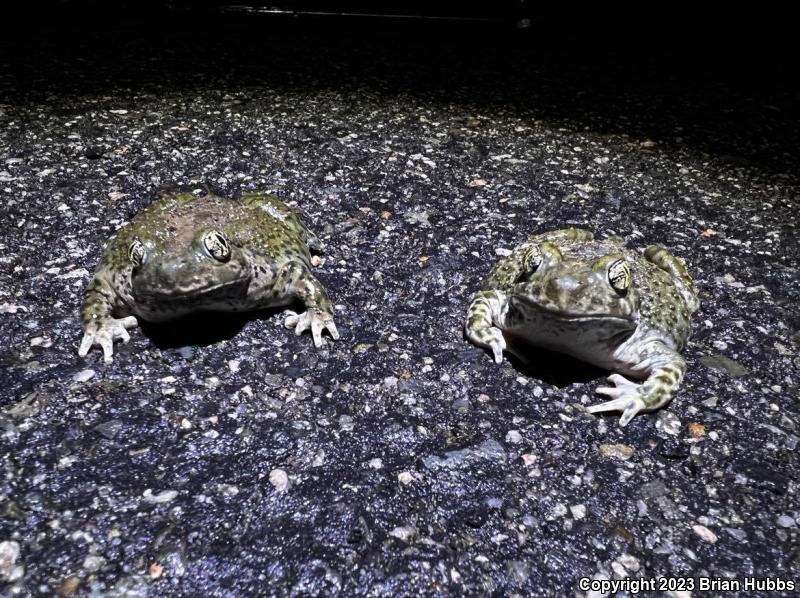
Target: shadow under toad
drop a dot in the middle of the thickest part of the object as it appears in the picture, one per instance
(206, 328)
(550, 367)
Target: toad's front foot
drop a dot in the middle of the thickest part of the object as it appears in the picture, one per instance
(488, 337)
(103, 333)
(626, 396)
(315, 320)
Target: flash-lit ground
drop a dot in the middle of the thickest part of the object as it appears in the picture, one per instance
(415, 465)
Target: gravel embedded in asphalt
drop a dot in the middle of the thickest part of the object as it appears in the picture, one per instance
(232, 457)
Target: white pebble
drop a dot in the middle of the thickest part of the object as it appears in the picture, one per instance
(630, 562)
(705, 533)
(405, 477)
(513, 437)
(160, 498)
(405, 533)
(83, 376)
(279, 480)
(669, 423)
(578, 511)
(9, 570)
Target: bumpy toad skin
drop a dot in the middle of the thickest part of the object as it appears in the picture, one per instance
(184, 254)
(597, 301)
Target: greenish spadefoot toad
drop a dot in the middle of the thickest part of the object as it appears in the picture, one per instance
(597, 301)
(184, 254)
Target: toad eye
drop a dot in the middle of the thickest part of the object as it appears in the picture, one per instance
(217, 246)
(619, 275)
(532, 259)
(137, 253)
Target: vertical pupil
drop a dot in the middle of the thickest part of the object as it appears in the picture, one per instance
(618, 274)
(216, 244)
(137, 252)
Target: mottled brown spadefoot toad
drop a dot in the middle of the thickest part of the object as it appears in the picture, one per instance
(185, 254)
(597, 301)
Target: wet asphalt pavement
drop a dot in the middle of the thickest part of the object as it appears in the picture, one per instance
(226, 456)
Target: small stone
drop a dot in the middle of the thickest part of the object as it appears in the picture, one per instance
(705, 533)
(8, 308)
(93, 563)
(739, 534)
(519, 571)
(578, 511)
(405, 533)
(110, 429)
(279, 480)
(720, 363)
(160, 498)
(405, 477)
(630, 562)
(186, 352)
(155, 570)
(696, 430)
(513, 437)
(786, 521)
(668, 423)
(623, 452)
(375, 463)
(462, 405)
(76, 273)
(529, 459)
(41, 341)
(9, 570)
(84, 375)
(227, 490)
(68, 587)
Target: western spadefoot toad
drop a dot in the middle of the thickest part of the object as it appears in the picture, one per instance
(597, 301)
(184, 254)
